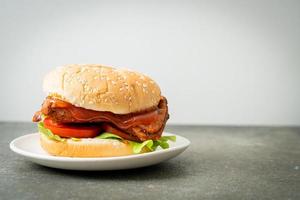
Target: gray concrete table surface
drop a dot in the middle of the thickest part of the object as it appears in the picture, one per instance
(221, 163)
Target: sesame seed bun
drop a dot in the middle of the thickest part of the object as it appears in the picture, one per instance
(102, 88)
(86, 147)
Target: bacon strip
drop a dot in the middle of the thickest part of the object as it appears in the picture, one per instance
(136, 126)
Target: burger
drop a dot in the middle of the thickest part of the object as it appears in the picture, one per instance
(99, 111)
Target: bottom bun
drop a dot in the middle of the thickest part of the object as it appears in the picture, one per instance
(86, 147)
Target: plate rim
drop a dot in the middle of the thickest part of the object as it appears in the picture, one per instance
(78, 159)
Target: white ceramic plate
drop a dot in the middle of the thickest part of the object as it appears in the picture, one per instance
(29, 147)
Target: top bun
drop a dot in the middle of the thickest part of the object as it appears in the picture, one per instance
(102, 88)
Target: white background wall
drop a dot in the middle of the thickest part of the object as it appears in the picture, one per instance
(218, 62)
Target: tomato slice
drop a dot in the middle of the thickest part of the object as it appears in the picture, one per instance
(67, 130)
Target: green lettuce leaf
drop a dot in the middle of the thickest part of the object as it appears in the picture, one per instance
(48, 133)
(109, 136)
(166, 138)
(138, 147)
(75, 139)
(163, 142)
